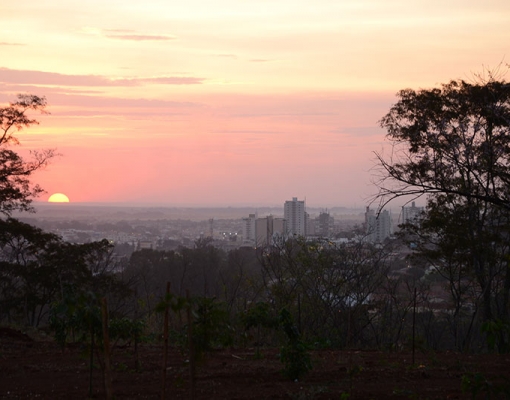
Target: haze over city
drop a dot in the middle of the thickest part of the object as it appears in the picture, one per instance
(230, 103)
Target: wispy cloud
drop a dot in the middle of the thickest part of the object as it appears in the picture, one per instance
(248, 131)
(141, 38)
(18, 88)
(172, 80)
(97, 102)
(11, 44)
(25, 77)
(126, 34)
(359, 131)
(233, 56)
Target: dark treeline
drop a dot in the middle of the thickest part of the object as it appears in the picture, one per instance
(353, 295)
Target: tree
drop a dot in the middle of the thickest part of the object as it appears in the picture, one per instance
(330, 288)
(453, 144)
(467, 245)
(16, 190)
(27, 281)
(452, 140)
(36, 267)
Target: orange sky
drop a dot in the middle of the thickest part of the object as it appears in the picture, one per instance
(231, 102)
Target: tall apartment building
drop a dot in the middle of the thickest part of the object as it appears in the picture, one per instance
(412, 213)
(267, 229)
(378, 227)
(295, 217)
(249, 232)
(261, 231)
(324, 224)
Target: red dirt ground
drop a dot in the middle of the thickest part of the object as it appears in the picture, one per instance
(38, 369)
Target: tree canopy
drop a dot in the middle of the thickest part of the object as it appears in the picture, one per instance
(16, 190)
(453, 140)
(452, 144)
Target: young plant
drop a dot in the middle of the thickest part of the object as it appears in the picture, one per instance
(293, 354)
(498, 335)
(259, 317)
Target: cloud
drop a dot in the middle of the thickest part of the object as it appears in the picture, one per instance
(154, 113)
(11, 44)
(172, 80)
(141, 38)
(259, 60)
(250, 132)
(118, 30)
(233, 56)
(22, 88)
(114, 102)
(360, 131)
(24, 77)
(125, 34)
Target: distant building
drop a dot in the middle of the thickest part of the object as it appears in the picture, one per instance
(267, 229)
(295, 217)
(261, 231)
(249, 232)
(324, 224)
(410, 214)
(144, 244)
(378, 227)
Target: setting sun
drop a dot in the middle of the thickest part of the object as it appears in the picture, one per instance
(58, 198)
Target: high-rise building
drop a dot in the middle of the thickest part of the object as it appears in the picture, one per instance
(262, 231)
(249, 233)
(324, 224)
(378, 226)
(267, 229)
(410, 214)
(295, 216)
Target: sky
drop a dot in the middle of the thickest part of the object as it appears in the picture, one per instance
(231, 102)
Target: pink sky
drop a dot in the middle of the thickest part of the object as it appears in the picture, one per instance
(231, 102)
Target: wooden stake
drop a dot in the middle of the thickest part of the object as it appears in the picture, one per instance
(414, 322)
(106, 343)
(191, 348)
(165, 344)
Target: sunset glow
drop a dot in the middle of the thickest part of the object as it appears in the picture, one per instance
(229, 103)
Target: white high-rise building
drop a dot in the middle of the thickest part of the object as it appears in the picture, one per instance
(294, 214)
(249, 232)
(378, 227)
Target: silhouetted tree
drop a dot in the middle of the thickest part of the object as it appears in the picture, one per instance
(453, 144)
(16, 190)
(451, 140)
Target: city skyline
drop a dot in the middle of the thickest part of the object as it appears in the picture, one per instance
(236, 103)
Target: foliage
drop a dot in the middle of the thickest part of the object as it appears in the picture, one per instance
(16, 190)
(477, 383)
(211, 326)
(294, 354)
(36, 267)
(452, 140)
(453, 144)
(259, 316)
(78, 313)
(126, 329)
(498, 335)
(328, 287)
(29, 271)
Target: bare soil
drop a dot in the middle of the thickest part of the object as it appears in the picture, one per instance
(38, 369)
